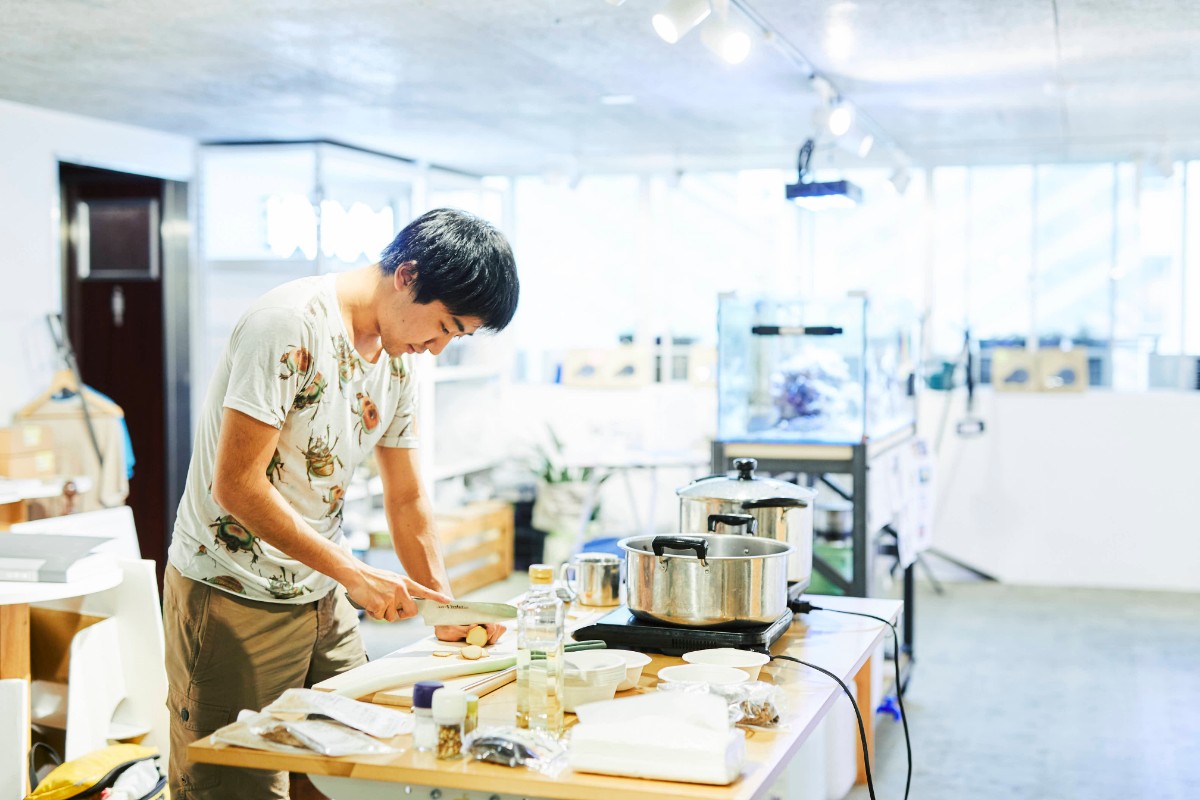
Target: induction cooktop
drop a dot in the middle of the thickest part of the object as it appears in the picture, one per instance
(621, 629)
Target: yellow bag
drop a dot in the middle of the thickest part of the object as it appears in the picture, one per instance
(91, 774)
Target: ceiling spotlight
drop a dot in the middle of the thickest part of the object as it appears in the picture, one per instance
(841, 117)
(679, 17)
(729, 41)
(835, 118)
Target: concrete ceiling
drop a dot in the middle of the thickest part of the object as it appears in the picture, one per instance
(520, 86)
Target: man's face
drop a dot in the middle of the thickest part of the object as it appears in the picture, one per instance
(413, 328)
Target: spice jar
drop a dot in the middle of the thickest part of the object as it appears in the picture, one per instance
(424, 728)
(449, 715)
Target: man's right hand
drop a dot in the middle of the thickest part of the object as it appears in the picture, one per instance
(387, 595)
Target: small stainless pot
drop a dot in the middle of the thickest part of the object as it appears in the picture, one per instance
(781, 510)
(706, 580)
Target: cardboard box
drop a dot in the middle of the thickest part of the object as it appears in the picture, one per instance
(1062, 370)
(1014, 369)
(34, 464)
(25, 439)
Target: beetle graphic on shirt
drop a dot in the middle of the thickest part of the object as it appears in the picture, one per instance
(319, 457)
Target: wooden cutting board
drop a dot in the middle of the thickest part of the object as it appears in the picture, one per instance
(401, 669)
(475, 684)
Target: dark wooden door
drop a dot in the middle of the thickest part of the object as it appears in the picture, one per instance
(115, 320)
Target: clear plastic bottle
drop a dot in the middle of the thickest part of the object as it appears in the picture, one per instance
(540, 617)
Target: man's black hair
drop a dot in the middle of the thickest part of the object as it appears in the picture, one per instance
(463, 261)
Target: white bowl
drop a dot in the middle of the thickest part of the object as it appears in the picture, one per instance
(593, 667)
(713, 674)
(578, 694)
(747, 661)
(634, 661)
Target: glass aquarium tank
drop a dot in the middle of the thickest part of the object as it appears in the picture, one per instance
(838, 370)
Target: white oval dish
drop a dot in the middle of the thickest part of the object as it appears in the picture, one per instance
(713, 674)
(747, 661)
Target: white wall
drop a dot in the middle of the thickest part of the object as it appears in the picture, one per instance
(1092, 489)
(32, 142)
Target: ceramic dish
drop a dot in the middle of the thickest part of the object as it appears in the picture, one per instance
(747, 661)
(634, 662)
(713, 674)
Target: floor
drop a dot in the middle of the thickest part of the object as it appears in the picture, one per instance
(1025, 693)
(1049, 694)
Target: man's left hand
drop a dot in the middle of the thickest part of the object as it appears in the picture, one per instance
(456, 633)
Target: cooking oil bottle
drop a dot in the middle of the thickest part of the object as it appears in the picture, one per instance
(540, 617)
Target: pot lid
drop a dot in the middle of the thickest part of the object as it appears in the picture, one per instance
(741, 485)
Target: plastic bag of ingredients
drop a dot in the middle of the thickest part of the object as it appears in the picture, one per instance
(519, 747)
(756, 704)
(262, 731)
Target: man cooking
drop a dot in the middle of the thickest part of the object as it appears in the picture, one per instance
(317, 375)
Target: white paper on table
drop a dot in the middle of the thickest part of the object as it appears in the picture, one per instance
(662, 736)
(366, 717)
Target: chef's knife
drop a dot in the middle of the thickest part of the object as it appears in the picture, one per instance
(464, 613)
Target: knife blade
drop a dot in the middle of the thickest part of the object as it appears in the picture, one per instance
(464, 613)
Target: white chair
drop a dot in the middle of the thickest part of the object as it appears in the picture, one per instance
(116, 680)
(14, 737)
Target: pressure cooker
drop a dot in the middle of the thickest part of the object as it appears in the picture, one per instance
(779, 510)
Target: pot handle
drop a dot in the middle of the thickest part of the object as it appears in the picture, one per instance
(733, 519)
(775, 502)
(660, 543)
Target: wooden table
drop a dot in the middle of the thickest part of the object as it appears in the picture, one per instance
(842, 644)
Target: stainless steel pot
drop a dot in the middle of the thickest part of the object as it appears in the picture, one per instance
(781, 510)
(706, 580)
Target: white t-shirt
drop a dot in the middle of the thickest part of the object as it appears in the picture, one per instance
(290, 363)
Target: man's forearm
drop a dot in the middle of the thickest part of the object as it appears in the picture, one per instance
(414, 537)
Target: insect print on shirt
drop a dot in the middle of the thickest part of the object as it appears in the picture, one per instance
(235, 537)
(368, 415)
(227, 582)
(283, 586)
(311, 394)
(275, 468)
(319, 457)
(297, 361)
(335, 498)
(348, 361)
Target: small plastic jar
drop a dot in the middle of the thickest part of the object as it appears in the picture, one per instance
(449, 715)
(424, 729)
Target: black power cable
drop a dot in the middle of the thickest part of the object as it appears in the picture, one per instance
(862, 729)
(803, 607)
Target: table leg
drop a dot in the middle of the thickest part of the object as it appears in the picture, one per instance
(866, 706)
(14, 641)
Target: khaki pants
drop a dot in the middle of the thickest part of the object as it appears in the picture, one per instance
(226, 653)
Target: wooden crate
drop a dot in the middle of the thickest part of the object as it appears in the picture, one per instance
(477, 544)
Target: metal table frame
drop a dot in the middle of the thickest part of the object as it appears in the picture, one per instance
(819, 462)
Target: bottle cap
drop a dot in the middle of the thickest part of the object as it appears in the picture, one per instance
(541, 574)
(449, 706)
(423, 693)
